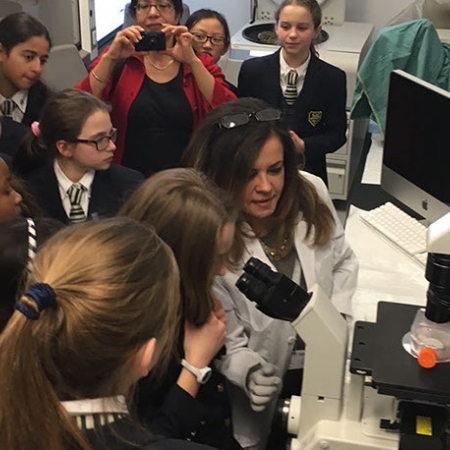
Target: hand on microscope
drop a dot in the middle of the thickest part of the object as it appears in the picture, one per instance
(263, 383)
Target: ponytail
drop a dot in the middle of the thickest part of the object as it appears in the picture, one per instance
(98, 292)
(31, 155)
(31, 416)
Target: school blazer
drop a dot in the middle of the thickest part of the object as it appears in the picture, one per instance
(319, 113)
(110, 189)
(37, 96)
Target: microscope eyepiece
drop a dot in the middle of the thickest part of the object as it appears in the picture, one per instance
(261, 271)
(275, 294)
(251, 287)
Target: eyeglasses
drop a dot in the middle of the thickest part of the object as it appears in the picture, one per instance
(100, 143)
(202, 38)
(160, 7)
(239, 119)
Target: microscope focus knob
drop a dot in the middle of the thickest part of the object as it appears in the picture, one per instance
(427, 358)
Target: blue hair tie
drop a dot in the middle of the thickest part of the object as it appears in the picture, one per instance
(44, 297)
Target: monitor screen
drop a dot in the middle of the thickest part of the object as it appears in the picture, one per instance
(109, 15)
(416, 158)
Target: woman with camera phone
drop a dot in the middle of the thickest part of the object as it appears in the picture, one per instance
(158, 97)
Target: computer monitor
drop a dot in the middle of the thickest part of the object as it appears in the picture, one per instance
(416, 158)
(109, 16)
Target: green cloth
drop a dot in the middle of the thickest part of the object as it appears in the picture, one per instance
(411, 46)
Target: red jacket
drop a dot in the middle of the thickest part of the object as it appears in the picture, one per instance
(130, 83)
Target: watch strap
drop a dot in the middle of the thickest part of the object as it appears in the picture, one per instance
(202, 374)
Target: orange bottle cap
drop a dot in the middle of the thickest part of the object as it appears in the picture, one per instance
(427, 358)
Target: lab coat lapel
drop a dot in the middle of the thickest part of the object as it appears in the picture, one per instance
(254, 248)
(306, 254)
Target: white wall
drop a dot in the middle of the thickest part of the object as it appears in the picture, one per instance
(237, 12)
(378, 12)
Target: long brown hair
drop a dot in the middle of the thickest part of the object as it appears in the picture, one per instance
(188, 211)
(227, 156)
(115, 283)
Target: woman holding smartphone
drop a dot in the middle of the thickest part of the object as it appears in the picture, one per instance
(158, 97)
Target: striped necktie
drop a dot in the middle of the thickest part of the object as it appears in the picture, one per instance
(76, 211)
(291, 89)
(7, 108)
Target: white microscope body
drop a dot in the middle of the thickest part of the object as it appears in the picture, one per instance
(336, 410)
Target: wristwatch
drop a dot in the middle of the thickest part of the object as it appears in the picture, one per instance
(202, 375)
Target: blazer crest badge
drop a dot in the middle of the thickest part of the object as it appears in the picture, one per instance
(314, 117)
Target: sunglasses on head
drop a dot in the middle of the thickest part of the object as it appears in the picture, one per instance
(239, 119)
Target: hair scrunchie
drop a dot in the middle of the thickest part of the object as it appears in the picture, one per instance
(36, 128)
(44, 297)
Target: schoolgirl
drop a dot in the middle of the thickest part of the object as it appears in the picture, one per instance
(90, 324)
(10, 199)
(310, 92)
(24, 49)
(66, 160)
(196, 220)
(19, 239)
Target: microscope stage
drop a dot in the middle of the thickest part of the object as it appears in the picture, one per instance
(378, 351)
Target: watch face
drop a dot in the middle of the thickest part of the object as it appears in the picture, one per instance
(204, 375)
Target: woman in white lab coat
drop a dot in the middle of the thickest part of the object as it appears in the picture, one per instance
(289, 222)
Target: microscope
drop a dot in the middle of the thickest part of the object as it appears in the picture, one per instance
(381, 398)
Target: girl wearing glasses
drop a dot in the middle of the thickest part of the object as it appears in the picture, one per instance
(211, 35)
(291, 225)
(158, 97)
(66, 160)
(310, 92)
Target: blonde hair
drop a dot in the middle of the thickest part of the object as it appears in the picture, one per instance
(188, 211)
(116, 287)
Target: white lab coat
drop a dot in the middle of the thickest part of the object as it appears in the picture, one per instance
(253, 337)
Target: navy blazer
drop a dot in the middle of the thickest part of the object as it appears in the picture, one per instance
(319, 113)
(13, 132)
(109, 191)
(37, 96)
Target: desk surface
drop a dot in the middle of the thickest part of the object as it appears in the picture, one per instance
(385, 272)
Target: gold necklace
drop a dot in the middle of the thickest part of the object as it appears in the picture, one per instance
(276, 253)
(159, 67)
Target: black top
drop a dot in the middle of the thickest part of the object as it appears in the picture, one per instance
(170, 411)
(37, 95)
(124, 435)
(109, 191)
(159, 126)
(11, 135)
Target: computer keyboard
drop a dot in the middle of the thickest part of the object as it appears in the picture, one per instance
(402, 230)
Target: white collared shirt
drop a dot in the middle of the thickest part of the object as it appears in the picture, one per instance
(64, 184)
(301, 71)
(20, 98)
(96, 405)
(106, 409)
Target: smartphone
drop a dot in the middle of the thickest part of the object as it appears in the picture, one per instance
(151, 41)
